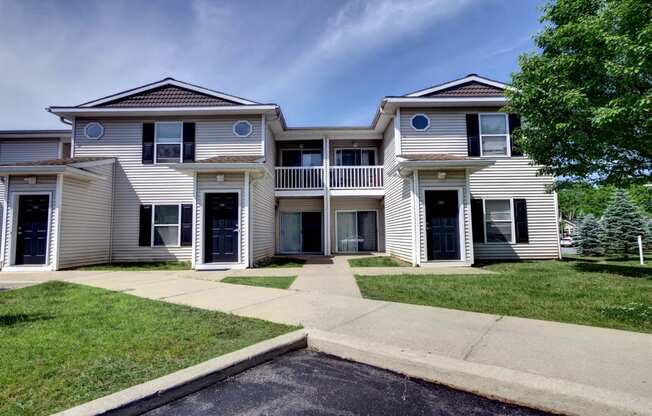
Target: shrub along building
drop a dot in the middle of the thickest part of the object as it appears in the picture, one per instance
(173, 171)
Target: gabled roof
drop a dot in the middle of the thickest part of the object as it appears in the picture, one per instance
(471, 85)
(168, 92)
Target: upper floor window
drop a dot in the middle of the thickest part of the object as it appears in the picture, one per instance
(494, 138)
(355, 157)
(94, 130)
(168, 142)
(242, 128)
(420, 122)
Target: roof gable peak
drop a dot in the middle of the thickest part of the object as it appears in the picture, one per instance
(472, 85)
(168, 92)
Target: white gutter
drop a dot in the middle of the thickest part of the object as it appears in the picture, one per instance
(160, 111)
(441, 102)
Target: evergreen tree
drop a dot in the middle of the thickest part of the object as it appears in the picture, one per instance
(588, 236)
(622, 224)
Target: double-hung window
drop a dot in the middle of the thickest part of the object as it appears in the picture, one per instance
(494, 136)
(498, 220)
(166, 225)
(168, 142)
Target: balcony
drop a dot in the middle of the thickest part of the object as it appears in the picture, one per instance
(340, 179)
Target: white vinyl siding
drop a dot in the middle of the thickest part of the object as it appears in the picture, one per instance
(206, 183)
(263, 207)
(17, 184)
(12, 151)
(215, 137)
(135, 184)
(511, 179)
(359, 204)
(86, 219)
(398, 203)
(454, 179)
(446, 133)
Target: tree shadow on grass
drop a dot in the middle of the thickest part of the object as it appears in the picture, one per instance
(626, 271)
(22, 318)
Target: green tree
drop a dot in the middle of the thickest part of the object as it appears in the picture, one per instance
(622, 224)
(586, 95)
(588, 237)
(578, 200)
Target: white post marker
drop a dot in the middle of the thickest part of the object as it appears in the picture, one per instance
(640, 248)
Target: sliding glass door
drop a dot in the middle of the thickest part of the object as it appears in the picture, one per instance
(356, 231)
(300, 232)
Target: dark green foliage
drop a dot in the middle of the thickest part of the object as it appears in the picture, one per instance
(580, 199)
(622, 224)
(586, 96)
(589, 237)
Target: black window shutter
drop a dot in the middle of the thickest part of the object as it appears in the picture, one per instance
(520, 218)
(145, 229)
(186, 224)
(473, 134)
(188, 142)
(477, 220)
(148, 143)
(514, 123)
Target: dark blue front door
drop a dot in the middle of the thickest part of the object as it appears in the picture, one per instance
(221, 242)
(32, 229)
(442, 225)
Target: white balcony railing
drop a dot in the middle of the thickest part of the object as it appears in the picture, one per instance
(356, 177)
(288, 178)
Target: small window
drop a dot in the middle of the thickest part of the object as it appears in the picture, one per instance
(166, 225)
(493, 135)
(498, 221)
(420, 122)
(94, 130)
(168, 142)
(242, 128)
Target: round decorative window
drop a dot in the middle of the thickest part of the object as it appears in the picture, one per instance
(242, 128)
(94, 130)
(420, 122)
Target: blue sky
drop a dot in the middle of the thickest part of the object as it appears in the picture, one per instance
(324, 62)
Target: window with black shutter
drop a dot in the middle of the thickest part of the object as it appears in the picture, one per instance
(520, 219)
(145, 228)
(188, 142)
(477, 220)
(514, 123)
(148, 143)
(186, 224)
(473, 134)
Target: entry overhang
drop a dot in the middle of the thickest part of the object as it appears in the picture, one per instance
(406, 167)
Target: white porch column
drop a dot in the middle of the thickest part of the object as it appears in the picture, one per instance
(416, 228)
(327, 198)
(247, 229)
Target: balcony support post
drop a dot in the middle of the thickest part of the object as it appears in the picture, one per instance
(327, 196)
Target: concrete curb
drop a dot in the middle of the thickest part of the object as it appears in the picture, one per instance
(149, 395)
(530, 390)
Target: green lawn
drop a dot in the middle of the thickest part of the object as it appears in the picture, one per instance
(64, 344)
(281, 262)
(613, 294)
(139, 266)
(278, 282)
(377, 261)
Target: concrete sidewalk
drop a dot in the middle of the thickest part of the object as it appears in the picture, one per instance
(327, 275)
(614, 360)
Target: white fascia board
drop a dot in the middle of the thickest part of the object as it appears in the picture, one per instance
(48, 170)
(357, 192)
(364, 133)
(449, 101)
(166, 82)
(220, 167)
(34, 135)
(408, 166)
(458, 82)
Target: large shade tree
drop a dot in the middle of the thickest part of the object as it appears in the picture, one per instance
(586, 95)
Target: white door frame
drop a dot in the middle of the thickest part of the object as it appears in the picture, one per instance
(460, 219)
(200, 261)
(15, 209)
